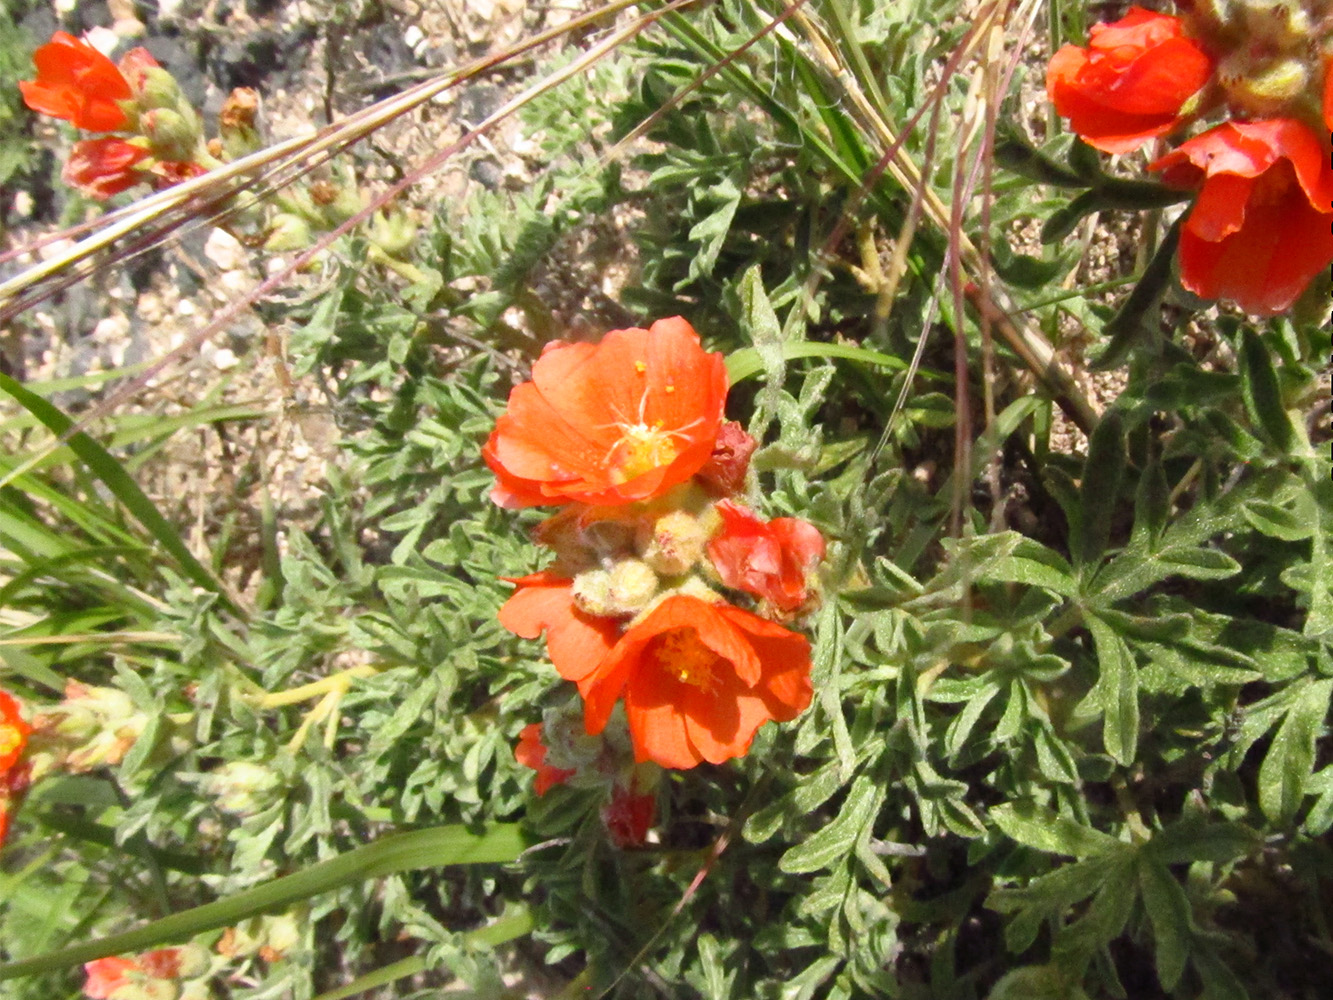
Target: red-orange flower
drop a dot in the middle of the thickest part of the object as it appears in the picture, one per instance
(106, 975)
(1130, 83)
(103, 167)
(772, 560)
(14, 732)
(575, 642)
(109, 977)
(698, 680)
(77, 83)
(610, 423)
(531, 752)
(1259, 231)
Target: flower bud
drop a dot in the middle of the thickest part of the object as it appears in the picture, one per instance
(394, 233)
(612, 593)
(241, 788)
(92, 727)
(1270, 90)
(674, 544)
(172, 135)
(288, 232)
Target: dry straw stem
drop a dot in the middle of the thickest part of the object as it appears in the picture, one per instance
(1035, 351)
(340, 135)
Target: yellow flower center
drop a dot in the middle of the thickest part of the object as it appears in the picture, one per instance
(641, 449)
(11, 738)
(681, 655)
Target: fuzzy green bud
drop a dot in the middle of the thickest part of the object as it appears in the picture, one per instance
(241, 788)
(171, 135)
(288, 231)
(674, 544)
(394, 233)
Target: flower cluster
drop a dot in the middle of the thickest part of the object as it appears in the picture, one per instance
(1260, 230)
(628, 437)
(89, 728)
(157, 134)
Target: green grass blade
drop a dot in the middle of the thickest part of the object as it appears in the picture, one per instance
(745, 363)
(431, 848)
(118, 481)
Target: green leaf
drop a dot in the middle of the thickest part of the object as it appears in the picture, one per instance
(1169, 911)
(1291, 757)
(1128, 326)
(838, 839)
(430, 848)
(1100, 490)
(1037, 827)
(1276, 522)
(1262, 394)
(1116, 691)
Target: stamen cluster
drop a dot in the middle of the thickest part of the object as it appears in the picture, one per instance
(652, 550)
(1259, 232)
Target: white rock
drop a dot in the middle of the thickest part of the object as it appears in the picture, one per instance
(224, 250)
(224, 359)
(413, 37)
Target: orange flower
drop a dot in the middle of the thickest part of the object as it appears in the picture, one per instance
(531, 752)
(699, 679)
(77, 83)
(14, 732)
(575, 642)
(771, 560)
(1259, 231)
(103, 167)
(1130, 83)
(612, 423)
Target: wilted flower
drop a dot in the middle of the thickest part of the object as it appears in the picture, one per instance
(724, 472)
(103, 167)
(698, 680)
(1259, 231)
(612, 423)
(774, 560)
(1131, 82)
(628, 815)
(77, 83)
